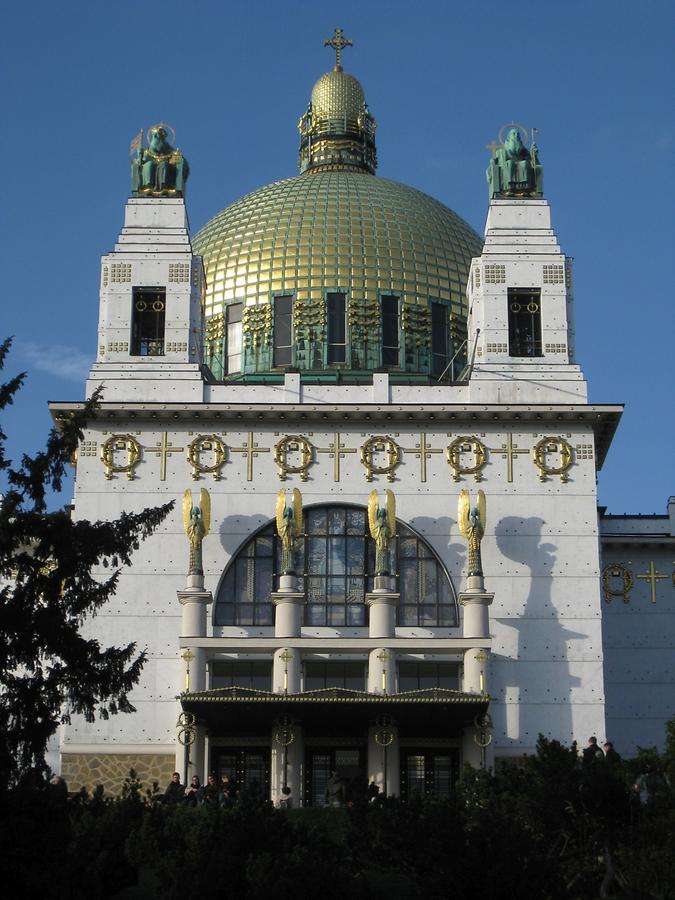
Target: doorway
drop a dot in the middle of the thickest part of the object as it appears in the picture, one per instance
(427, 774)
(248, 767)
(348, 762)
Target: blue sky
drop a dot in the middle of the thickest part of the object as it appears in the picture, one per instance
(595, 78)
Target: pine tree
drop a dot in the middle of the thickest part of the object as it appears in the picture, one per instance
(49, 669)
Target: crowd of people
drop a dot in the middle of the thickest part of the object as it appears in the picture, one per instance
(222, 793)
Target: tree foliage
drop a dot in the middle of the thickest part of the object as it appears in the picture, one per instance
(50, 577)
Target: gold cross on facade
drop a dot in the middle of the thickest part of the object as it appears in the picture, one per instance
(509, 451)
(162, 449)
(286, 657)
(423, 452)
(338, 42)
(250, 449)
(337, 452)
(652, 575)
(188, 656)
(384, 656)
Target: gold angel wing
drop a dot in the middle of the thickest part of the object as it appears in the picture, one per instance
(281, 506)
(372, 512)
(297, 512)
(187, 506)
(391, 513)
(463, 511)
(205, 506)
(481, 508)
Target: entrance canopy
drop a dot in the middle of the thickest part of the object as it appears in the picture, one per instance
(236, 710)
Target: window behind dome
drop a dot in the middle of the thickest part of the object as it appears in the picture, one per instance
(336, 558)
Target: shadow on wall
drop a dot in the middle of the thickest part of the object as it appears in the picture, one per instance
(541, 663)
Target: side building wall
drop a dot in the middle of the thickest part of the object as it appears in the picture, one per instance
(638, 627)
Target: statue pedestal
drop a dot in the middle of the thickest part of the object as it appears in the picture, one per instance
(194, 602)
(476, 616)
(382, 603)
(288, 614)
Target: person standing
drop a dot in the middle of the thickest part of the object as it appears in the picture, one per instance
(592, 752)
(175, 791)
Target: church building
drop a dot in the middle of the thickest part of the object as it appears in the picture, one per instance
(384, 559)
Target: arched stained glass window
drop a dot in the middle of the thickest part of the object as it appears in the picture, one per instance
(335, 564)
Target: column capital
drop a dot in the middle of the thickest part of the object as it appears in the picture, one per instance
(482, 598)
(194, 596)
(375, 597)
(287, 597)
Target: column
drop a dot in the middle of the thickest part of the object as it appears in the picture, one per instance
(194, 601)
(382, 601)
(380, 751)
(286, 669)
(382, 671)
(288, 613)
(288, 754)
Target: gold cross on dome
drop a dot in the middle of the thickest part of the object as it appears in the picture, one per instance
(338, 42)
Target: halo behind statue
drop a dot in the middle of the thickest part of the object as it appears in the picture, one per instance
(166, 127)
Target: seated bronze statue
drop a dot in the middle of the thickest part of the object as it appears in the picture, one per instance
(159, 170)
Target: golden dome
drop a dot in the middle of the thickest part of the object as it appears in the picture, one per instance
(336, 95)
(336, 231)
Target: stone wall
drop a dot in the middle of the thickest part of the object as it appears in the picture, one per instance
(110, 769)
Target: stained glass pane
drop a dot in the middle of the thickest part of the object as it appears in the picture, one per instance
(336, 615)
(355, 560)
(407, 615)
(427, 615)
(356, 521)
(429, 580)
(356, 615)
(245, 614)
(336, 520)
(264, 545)
(315, 614)
(316, 521)
(355, 590)
(263, 580)
(408, 546)
(336, 556)
(316, 556)
(336, 590)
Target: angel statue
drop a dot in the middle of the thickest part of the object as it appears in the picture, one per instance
(382, 524)
(196, 521)
(289, 526)
(471, 521)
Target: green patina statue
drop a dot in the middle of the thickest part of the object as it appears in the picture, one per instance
(159, 170)
(515, 171)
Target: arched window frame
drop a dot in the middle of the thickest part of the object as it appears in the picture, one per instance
(254, 568)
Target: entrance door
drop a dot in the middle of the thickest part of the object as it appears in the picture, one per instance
(428, 773)
(347, 762)
(248, 767)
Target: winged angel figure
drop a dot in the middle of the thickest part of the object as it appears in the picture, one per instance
(471, 521)
(196, 521)
(289, 526)
(382, 524)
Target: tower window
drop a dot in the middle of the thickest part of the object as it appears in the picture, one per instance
(147, 321)
(233, 338)
(390, 337)
(337, 328)
(524, 322)
(439, 339)
(283, 330)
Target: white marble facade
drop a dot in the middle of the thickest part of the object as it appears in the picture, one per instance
(546, 668)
